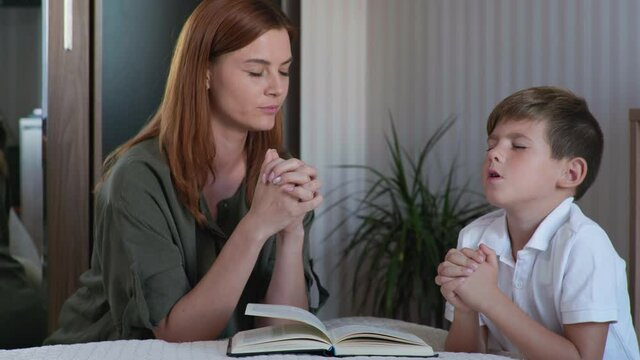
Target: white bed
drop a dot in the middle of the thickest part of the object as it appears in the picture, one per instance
(206, 350)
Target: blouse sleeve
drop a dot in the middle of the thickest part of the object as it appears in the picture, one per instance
(142, 259)
(309, 273)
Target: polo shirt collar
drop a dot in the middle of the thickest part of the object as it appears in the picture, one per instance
(550, 225)
(496, 235)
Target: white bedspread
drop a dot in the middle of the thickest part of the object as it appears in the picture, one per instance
(207, 350)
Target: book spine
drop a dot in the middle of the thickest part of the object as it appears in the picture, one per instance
(331, 351)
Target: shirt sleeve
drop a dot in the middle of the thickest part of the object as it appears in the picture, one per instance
(590, 278)
(143, 269)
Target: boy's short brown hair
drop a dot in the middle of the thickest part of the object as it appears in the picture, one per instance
(572, 131)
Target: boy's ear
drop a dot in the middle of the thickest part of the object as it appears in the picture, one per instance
(574, 173)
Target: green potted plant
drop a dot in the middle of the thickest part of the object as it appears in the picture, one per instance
(404, 229)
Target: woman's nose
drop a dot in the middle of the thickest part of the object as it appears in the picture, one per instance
(276, 86)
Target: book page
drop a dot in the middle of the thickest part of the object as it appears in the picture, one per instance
(279, 332)
(288, 313)
(285, 337)
(341, 330)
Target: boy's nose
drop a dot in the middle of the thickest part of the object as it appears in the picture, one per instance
(494, 155)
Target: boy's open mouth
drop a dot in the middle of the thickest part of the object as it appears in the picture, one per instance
(494, 174)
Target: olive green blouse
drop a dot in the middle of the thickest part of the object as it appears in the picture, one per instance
(148, 252)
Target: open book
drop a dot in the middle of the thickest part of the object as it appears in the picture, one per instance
(310, 335)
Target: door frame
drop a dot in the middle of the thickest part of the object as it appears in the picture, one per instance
(634, 219)
(68, 150)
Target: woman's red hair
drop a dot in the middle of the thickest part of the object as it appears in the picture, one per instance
(182, 122)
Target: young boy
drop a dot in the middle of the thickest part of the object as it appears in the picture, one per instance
(537, 276)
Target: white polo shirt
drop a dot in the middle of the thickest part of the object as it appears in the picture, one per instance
(567, 273)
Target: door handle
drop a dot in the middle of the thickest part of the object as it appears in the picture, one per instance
(68, 25)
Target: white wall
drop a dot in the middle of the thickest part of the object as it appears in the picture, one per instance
(333, 104)
(426, 60)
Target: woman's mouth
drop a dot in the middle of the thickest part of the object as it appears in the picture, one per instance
(269, 109)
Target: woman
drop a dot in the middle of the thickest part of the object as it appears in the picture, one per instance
(197, 215)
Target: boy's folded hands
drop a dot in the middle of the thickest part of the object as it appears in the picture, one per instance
(480, 289)
(468, 277)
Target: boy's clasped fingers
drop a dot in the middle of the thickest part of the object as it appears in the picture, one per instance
(458, 263)
(476, 255)
(448, 288)
(451, 270)
(448, 292)
(465, 257)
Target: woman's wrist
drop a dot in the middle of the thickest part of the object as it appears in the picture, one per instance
(290, 242)
(253, 229)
